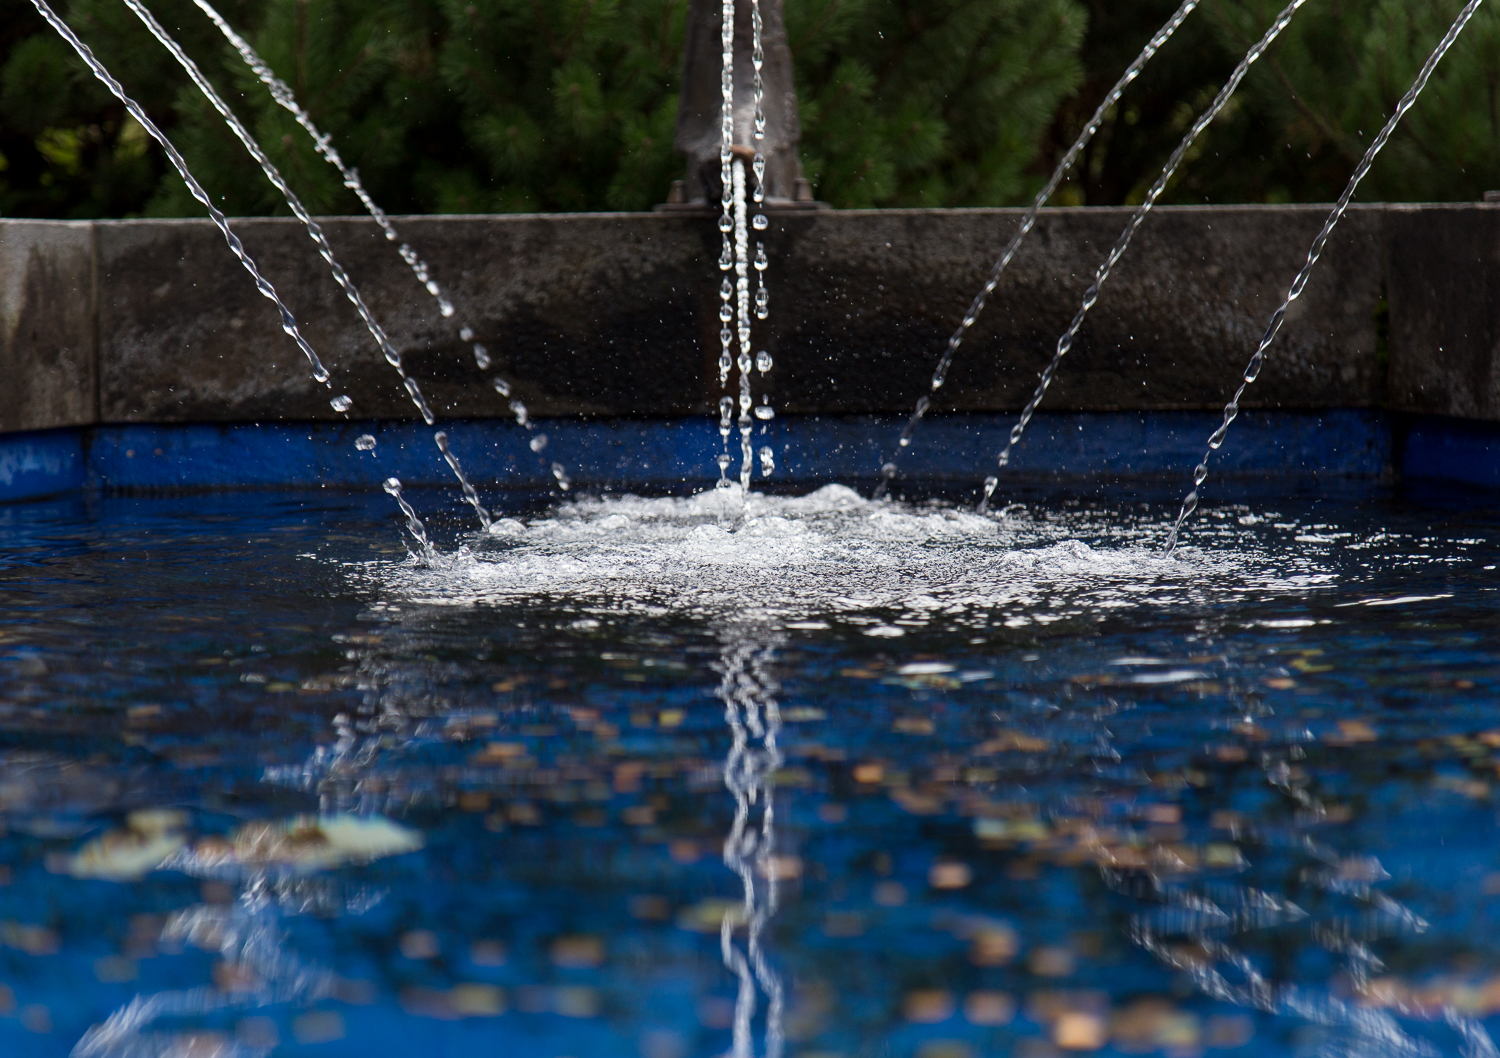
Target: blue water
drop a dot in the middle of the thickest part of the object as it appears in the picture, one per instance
(1033, 789)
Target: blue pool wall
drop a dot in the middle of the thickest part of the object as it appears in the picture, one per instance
(675, 455)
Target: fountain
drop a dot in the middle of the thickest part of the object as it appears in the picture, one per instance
(1012, 781)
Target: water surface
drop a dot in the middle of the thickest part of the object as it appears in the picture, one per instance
(807, 776)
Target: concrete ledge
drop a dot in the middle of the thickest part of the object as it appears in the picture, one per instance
(616, 315)
(48, 324)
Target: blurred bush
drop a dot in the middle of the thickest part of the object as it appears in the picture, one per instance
(520, 105)
(458, 106)
(1305, 115)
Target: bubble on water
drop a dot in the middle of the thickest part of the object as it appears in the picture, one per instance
(365, 442)
(539, 442)
(341, 403)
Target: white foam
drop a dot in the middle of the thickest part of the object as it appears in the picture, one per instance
(833, 555)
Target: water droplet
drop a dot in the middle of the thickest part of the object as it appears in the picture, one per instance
(519, 410)
(467, 334)
(481, 356)
(365, 443)
(726, 313)
(763, 361)
(446, 308)
(341, 403)
(560, 472)
(760, 222)
(392, 485)
(502, 387)
(765, 413)
(767, 462)
(539, 442)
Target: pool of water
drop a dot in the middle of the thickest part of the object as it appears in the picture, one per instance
(807, 775)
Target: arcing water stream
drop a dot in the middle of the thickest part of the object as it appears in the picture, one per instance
(1257, 361)
(1091, 296)
(287, 100)
(263, 285)
(1028, 221)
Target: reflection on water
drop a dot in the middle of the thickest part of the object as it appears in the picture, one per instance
(1003, 785)
(754, 721)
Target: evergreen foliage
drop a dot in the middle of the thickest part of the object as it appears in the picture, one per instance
(929, 102)
(1304, 116)
(520, 105)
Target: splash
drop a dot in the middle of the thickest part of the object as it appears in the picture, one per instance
(877, 568)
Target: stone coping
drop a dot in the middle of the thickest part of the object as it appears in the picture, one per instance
(615, 315)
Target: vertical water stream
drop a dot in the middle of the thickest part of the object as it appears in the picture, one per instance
(726, 226)
(735, 223)
(764, 411)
